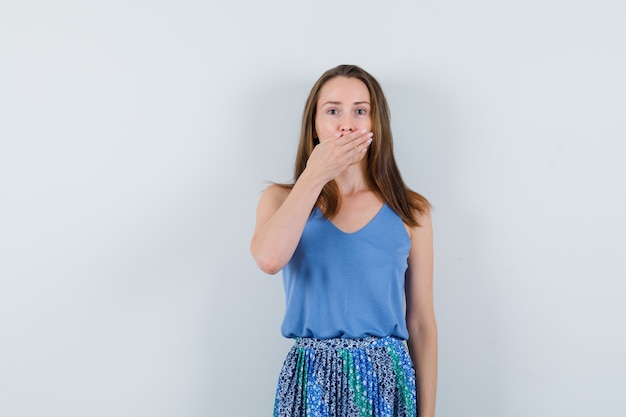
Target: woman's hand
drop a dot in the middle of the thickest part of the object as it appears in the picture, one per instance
(333, 155)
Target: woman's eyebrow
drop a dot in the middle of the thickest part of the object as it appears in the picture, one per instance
(336, 103)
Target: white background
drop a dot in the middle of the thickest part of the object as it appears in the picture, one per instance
(136, 136)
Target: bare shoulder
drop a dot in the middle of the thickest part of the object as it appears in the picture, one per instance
(274, 195)
(424, 228)
(271, 199)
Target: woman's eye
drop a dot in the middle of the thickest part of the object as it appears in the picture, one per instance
(332, 112)
(361, 112)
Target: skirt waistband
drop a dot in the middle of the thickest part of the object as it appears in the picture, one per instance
(344, 343)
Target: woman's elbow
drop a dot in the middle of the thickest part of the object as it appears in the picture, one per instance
(268, 265)
(266, 262)
(422, 325)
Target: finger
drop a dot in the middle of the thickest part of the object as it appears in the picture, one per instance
(364, 146)
(351, 137)
(357, 151)
(364, 140)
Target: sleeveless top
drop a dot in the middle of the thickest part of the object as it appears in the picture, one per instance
(348, 285)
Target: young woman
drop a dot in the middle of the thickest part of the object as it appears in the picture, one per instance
(355, 247)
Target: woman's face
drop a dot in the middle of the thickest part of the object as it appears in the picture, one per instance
(343, 106)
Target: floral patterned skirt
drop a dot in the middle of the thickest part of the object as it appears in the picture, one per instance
(347, 378)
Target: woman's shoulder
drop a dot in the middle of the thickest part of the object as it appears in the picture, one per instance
(276, 193)
(422, 216)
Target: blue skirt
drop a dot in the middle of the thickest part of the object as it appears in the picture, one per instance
(371, 377)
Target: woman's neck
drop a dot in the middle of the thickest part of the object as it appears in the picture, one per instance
(353, 180)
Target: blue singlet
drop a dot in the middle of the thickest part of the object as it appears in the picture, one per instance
(348, 285)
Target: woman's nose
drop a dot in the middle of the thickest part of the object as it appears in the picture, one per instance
(346, 124)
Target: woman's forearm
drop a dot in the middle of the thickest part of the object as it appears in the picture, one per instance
(423, 350)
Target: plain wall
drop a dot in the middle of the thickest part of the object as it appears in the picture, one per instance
(136, 137)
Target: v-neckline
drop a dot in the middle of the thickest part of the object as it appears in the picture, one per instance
(370, 221)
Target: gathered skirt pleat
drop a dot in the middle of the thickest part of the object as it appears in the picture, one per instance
(369, 377)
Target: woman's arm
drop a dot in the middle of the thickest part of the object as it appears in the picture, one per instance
(280, 219)
(282, 214)
(420, 313)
